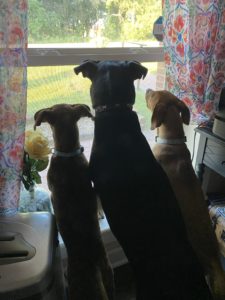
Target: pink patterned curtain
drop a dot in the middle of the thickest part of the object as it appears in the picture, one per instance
(13, 84)
(194, 40)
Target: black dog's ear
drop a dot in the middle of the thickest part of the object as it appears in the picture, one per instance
(137, 71)
(88, 68)
(43, 115)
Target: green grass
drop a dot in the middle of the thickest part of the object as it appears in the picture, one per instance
(53, 85)
(141, 108)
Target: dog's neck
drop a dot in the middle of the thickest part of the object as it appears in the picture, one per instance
(110, 125)
(172, 127)
(66, 139)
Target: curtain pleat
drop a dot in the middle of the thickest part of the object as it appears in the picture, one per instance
(13, 90)
(194, 41)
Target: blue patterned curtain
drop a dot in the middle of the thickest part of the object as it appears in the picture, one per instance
(13, 85)
(194, 40)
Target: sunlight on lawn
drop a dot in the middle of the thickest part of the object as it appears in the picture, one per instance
(51, 85)
(58, 84)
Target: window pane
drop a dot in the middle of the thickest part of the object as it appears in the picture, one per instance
(58, 84)
(94, 23)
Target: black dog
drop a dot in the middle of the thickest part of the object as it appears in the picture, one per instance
(136, 196)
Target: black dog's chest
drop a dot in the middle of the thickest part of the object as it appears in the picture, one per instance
(120, 154)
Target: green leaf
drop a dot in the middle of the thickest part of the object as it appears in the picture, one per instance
(41, 165)
(27, 182)
(36, 177)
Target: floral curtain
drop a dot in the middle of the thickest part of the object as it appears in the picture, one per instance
(13, 45)
(194, 41)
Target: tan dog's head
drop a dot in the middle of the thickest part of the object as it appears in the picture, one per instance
(63, 115)
(159, 102)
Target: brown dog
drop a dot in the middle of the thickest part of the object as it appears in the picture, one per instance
(168, 116)
(90, 276)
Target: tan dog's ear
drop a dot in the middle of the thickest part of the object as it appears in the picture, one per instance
(158, 115)
(82, 110)
(185, 112)
(43, 115)
(136, 70)
(87, 68)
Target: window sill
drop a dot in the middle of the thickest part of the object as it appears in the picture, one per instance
(50, 56)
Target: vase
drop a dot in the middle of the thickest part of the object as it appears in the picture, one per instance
(34, 199)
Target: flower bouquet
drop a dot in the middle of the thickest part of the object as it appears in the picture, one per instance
(35, 160)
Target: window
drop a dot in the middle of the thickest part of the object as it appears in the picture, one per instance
(64, 33)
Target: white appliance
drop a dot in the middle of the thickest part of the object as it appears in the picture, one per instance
(30, 263)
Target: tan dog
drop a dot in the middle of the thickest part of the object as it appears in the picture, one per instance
(168, 116)
(90, 276)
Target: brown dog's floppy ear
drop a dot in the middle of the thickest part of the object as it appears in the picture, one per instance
(136, 70)
(158, 115)
(185, 112)
(43, 115)
(82, 110)
(87, 68)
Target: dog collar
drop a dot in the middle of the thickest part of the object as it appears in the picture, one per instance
(68, 154)
(102, 108)
(180, 141)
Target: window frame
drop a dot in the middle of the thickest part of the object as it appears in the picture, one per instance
(47, 55)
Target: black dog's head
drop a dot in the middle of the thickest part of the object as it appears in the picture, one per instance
(112, 81)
